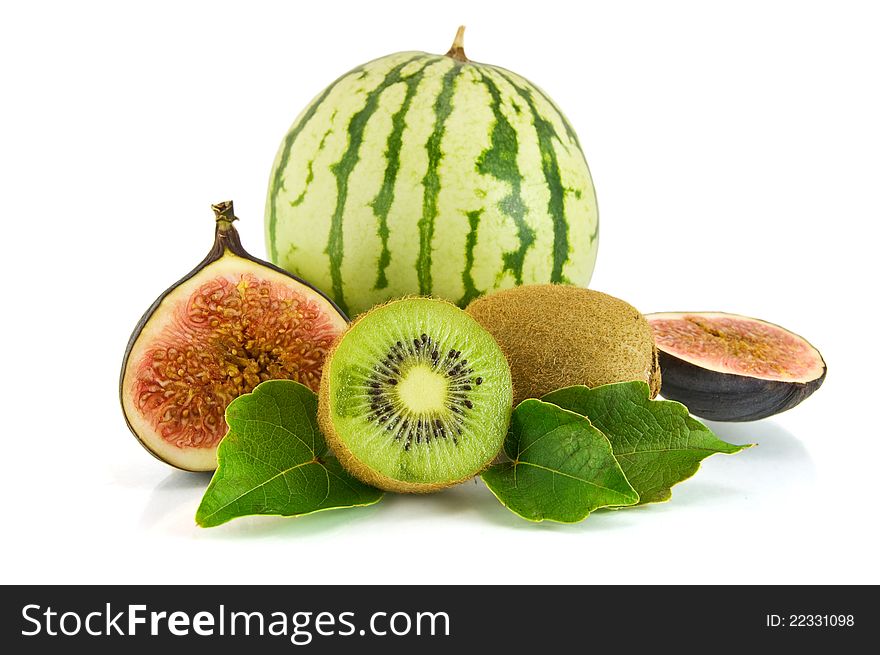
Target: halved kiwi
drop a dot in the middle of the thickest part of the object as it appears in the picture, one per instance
(415, 396)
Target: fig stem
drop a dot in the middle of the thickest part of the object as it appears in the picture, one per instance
(224, 215)
(457, 49)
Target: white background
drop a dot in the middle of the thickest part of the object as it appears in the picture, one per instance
(735, 149)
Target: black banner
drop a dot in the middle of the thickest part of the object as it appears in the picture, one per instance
(434, 619)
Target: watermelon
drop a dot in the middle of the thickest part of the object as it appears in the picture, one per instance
(431, 175)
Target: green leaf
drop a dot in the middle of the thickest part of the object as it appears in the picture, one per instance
(657, 443)
(562, 467)
(274, 460)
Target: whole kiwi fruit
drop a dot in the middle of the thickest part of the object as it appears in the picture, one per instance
(557, 335)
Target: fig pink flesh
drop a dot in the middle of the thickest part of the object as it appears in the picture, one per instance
(234, 332)
(736, 344)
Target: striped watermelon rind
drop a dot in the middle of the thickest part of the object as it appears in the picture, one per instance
(431, 175)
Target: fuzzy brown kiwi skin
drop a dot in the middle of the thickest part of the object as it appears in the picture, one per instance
(348, 460)
(512, 313)
(226, 239)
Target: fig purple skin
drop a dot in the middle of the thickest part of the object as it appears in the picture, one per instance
(727, 367)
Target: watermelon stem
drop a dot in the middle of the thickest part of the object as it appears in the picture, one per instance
(457, 49)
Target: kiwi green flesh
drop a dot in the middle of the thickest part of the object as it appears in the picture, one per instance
(416, 396)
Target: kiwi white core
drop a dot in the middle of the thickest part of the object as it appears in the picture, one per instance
(423, 391)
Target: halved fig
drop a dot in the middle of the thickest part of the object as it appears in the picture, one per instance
(231, 323)
(727, 367)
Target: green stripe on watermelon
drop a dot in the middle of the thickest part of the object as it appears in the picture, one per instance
(470, 290)
(342, 170)
(550, 166)
(278, 173)
(310, 167)
(566, 125)
(431, 181)
(499, 161)
(382, 202)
